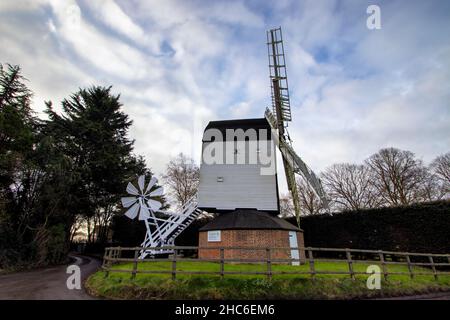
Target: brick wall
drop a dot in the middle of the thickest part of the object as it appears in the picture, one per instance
(249, 238)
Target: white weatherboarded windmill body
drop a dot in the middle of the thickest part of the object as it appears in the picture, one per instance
(238, 166)
(238, 180)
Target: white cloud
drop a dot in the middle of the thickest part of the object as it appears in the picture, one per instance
(180, 64)
(232, 12)
(241, 110)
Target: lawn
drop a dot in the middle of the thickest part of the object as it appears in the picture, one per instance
(286, 286)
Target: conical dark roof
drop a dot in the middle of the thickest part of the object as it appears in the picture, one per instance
(248, 219)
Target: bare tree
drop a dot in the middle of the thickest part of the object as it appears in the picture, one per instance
(286, 206)
(350, 186)
(398, 176)
(76, 226)
(182, 176)
(441, 169)
(431, 188)
(310, 203)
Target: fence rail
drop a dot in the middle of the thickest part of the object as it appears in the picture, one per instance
(114, 255)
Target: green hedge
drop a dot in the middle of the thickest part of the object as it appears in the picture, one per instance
(417, 228)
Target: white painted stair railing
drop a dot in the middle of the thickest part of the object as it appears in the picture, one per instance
(165, 233)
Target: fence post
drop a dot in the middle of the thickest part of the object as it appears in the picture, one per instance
(410, 268)
(383, 265)
(269, 264)
(433, 267)
(174, 264)
(135, 263)
(312, 270)
(105, 255)
(108, 262)
(350, 263)
(222, 257)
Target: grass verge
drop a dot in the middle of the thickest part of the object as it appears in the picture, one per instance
(157, 286)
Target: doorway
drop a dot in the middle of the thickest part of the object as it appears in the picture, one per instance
(293, 243)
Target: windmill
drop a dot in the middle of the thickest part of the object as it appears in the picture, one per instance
(161, 230)
(246, 201)
(279, 118)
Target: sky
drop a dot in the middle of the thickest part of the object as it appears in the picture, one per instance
(179, 64)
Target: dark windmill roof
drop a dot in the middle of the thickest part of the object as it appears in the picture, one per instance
(248, 219)
(244, 124)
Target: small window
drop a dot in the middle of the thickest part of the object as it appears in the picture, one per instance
(214, 236)
(219, 179)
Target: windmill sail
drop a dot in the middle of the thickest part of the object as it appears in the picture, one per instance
(279, 118)
(160, 231)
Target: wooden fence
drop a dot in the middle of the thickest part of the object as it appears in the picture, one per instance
(438, 264)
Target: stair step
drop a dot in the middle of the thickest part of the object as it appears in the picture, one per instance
(173, 227)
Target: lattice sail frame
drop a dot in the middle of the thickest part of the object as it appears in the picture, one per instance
(279, 117)
(277, 71)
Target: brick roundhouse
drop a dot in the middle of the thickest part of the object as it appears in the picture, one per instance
(249, 228)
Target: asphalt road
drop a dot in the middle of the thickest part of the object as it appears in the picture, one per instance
(48, 283)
